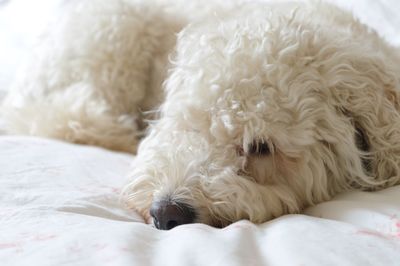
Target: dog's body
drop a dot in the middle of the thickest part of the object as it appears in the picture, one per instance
(265, 108)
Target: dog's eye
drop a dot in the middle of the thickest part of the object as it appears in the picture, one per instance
(259, 148)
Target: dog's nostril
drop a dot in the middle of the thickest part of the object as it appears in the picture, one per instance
(167, 214)
(172, 224)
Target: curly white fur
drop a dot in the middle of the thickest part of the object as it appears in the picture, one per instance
(298, 77)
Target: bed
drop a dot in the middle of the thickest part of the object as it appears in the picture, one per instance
(59, 202)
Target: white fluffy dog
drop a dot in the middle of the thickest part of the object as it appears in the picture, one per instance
(258, 109)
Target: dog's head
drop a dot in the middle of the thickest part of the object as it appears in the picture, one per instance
(248, 129)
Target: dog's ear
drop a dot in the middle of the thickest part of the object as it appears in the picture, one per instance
(362, 141)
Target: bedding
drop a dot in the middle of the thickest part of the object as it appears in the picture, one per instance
(59, 202)
(59, 206)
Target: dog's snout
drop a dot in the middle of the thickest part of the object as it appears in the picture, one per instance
(167, 214)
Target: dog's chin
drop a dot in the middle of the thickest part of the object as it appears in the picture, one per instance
(219, 224)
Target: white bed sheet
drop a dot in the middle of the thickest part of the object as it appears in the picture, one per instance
(59, 206)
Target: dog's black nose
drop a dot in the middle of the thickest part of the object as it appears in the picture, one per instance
(167, 214)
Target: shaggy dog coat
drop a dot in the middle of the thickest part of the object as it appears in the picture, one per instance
(257, 109)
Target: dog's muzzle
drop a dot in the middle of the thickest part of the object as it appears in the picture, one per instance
(168, 214)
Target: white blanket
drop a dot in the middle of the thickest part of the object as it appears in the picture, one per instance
(59, 205)
(59, 202)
